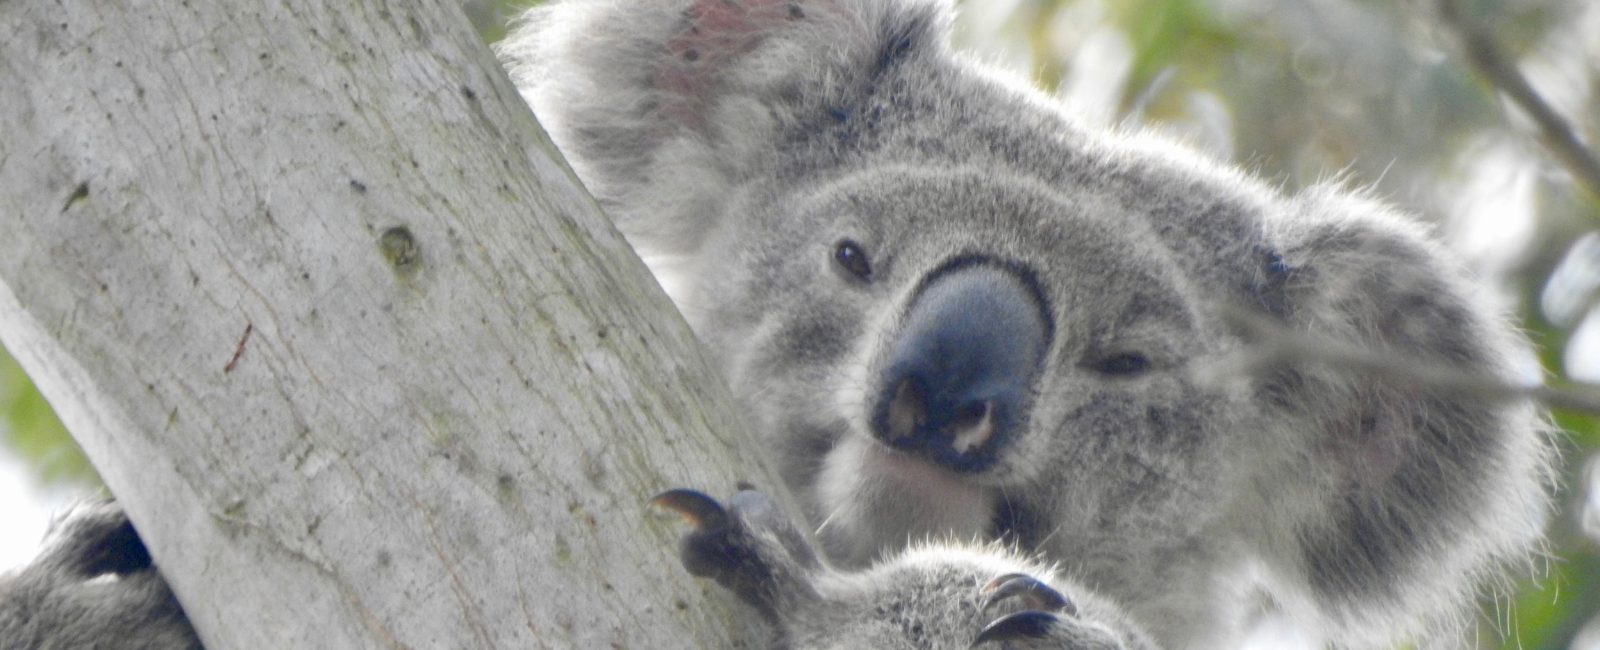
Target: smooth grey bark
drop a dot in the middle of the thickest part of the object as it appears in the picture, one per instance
(365, 364)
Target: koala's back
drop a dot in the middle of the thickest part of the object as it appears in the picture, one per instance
(92, 586)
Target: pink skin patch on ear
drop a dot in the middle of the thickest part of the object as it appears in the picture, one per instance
(717, 31)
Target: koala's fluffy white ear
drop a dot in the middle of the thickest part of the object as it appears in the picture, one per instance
(664, 105)
(1405, 489)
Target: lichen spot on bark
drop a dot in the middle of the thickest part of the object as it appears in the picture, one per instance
(400, 249)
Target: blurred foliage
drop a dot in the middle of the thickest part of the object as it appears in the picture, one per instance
(1548, 608)
(32, 431)
(492, 17)
(1374, 92)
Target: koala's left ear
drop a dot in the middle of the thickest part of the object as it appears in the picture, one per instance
(1408, 493)
(664, 105)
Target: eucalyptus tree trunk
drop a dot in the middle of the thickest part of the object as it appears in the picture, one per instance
(363, 361)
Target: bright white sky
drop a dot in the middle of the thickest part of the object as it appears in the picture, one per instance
(24, 511)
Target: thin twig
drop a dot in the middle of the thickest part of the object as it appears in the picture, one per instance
(1555, 131)
(1273, 346)
(238, 349)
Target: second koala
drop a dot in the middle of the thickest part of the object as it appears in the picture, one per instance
(953, 312)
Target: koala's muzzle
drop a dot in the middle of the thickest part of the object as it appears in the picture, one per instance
(956, 381)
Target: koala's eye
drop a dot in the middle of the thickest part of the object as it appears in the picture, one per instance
(1122, 365)
(853, 258)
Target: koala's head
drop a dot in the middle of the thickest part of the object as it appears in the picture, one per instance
(950, 310)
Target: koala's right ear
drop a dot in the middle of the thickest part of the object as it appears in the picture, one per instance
(1401, 490)
(664, 106)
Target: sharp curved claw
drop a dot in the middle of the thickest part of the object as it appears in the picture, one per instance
(718, 546)
(738, 544)
(1036, 594)
(1016, 627)
(702, 512)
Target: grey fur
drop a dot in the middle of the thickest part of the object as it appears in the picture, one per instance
(92, 586)
(800, 173)
(933, 596)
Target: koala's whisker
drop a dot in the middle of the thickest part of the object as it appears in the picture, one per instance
(1044, 542)
(827, 520)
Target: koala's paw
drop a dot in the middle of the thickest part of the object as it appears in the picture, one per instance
(1049, 621)
(926, 599)
(749, 547)
(92, 585)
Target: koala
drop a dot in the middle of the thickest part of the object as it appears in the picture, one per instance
(951, 311)
(939, 596)
(92, 586)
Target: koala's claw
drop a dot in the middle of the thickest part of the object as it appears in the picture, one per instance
(1017, 627)
(717, 547)
(701, 511)
(1043, 602)
(740, 546)
(1036, 594)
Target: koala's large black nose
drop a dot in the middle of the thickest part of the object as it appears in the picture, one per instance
(955, 384)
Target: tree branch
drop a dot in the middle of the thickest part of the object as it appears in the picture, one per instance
(1555, 131)
(1273, 347)
(365, 364)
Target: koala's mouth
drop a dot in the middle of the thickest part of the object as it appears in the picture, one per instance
(876, 497)
(912, 468)
(1009, 519)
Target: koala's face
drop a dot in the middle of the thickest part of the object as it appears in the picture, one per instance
(944, 350)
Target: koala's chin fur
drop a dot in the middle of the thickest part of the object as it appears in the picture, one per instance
(952, 312)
